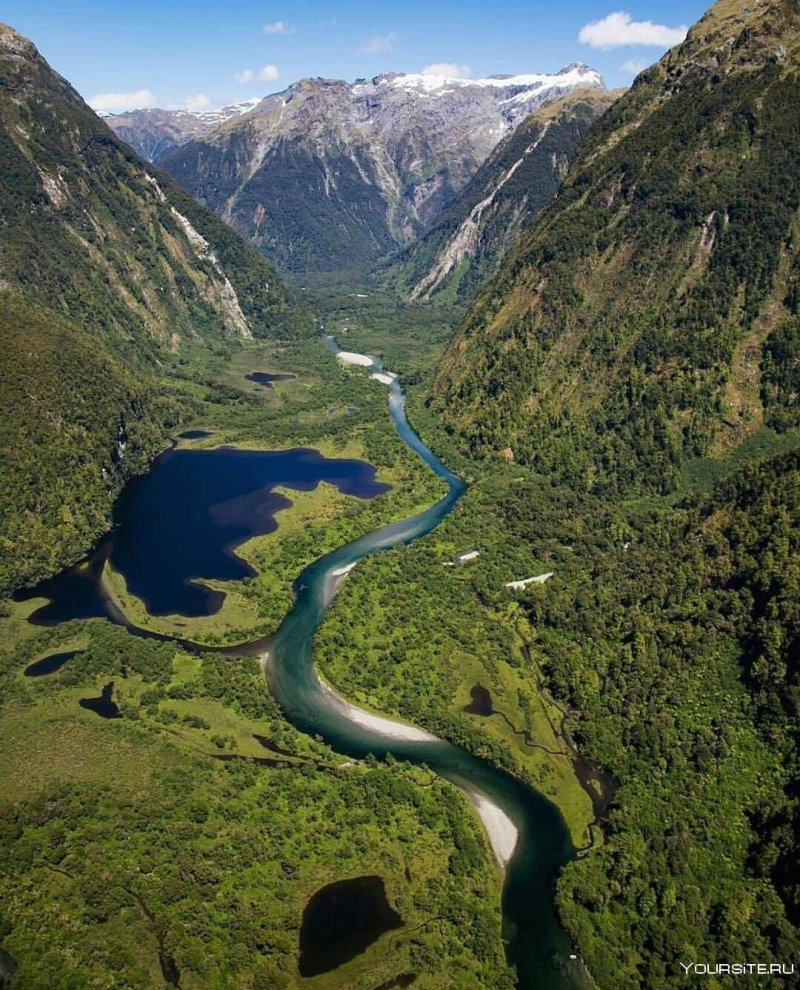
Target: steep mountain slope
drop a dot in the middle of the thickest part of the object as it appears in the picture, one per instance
(329, 175)
(153, 133)
(104, 265)
(520, 177)
(651, 313)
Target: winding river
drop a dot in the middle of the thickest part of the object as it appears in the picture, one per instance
(527, 832)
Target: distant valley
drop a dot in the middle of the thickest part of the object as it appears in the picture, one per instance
(371, 164)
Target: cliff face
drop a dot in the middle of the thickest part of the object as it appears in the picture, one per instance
(520, 177)
(330, 175)
(651, 312)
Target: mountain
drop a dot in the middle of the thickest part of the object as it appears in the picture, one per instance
(652, 313)
(107, 269)
(330, 175)
(520, 177)
(153, 133)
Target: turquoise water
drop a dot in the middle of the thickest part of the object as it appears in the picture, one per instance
(536, 944)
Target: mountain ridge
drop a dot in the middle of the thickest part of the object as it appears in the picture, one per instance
(369, 164)
(624, 332)
(153, 132)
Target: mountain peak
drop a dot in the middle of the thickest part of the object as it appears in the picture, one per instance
(14, 44)
(368, 157)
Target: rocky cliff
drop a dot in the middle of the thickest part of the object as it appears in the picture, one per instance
(330, 175)
(520, 177)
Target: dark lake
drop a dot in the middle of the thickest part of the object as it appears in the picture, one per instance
(194, 434)
(104, 706)
(49, 665)
(341, 920)
(265, 379)
(184, 519)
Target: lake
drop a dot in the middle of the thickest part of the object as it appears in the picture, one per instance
(184, 520)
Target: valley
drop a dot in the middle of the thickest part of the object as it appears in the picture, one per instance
(401, 527)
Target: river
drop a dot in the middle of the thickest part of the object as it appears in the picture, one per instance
(527, 832)
(535, 942)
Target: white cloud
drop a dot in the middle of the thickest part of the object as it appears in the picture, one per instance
(118, 102)
(278, 27)
(197, 102)
(378, 44)
(620, 29)
(634, 66)
(450, 69)
(267, 74)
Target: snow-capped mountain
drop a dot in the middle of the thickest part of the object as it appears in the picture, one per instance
(154, 133)
(522, 175)
(329, 173)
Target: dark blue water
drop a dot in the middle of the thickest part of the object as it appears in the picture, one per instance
(49, 665)
(183, 521)
(265, 379)
(104, 705)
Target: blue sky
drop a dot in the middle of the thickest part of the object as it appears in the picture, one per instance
(212, 52)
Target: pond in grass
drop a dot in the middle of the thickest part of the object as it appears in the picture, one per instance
(481, 703)
(104, 706)
(341, 920)
(265, 379)
(194, 434)
(184, 520)
(49, 665)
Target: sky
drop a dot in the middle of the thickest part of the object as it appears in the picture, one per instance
(122, 55)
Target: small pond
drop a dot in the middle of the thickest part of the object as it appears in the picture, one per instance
(265, 379)
(341, 920)
(49, 665)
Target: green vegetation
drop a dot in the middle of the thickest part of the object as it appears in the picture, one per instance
(125, 837)
(626, 330)
(410, 635)
(674, 642)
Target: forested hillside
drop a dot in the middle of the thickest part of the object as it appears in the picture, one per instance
(106, 267)
(674, 646)
(642, 340)
(650, 313)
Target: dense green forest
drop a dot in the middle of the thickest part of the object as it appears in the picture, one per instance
(627, 330)
(676, 650)
(159, 834)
